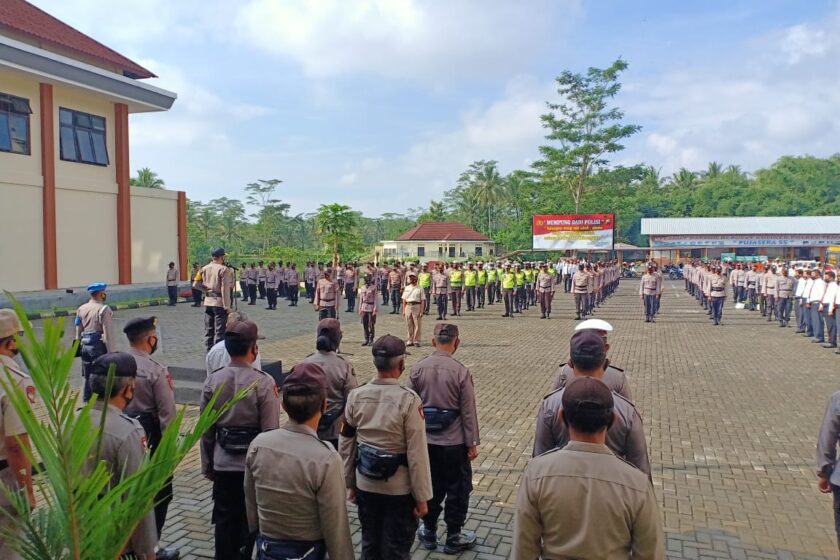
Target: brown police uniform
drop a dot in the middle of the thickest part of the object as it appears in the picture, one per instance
(218, 283)
(614, 377)
(584, 502)
(341, 379)
(326, 298)
(448, 393)
(386, 461)
(626, 437)
(223, 447)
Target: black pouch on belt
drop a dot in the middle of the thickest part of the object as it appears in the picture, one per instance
(438, 419)
(236, 439)
(379, 465)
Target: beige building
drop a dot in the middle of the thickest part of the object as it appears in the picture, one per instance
(70, 216)
(438, 241)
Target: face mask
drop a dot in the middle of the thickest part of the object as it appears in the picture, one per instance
(127, 398)
(154, 346)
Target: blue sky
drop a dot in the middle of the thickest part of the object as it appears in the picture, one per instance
(380, 104)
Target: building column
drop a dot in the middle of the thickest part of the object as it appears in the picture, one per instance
(123, 193)
(47, 115)
(183, 262)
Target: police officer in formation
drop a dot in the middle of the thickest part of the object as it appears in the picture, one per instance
(326, 296)
(216, 281)
(123, 438)
(386, 458)
(614, 377)
(153, 405)
(224, 446)
(294, 482)
(650, 290)
(94, 330)
(15, 448)
(340, 378)
(446, 387)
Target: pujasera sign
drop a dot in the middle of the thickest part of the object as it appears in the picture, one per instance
(681, 242)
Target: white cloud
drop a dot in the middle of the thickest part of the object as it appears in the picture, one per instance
(416, 39)
(775, 95)
(348, 179)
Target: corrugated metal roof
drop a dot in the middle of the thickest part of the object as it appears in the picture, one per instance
(764, 225)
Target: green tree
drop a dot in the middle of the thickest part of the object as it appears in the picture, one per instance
(148, 179)
(82, 516)
(436, 212)
(271, 212)
(582, 129)
(336, 225)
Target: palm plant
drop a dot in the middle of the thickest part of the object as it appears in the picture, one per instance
(335, 224)
(148, 179)
(487, 184)
(82, 517)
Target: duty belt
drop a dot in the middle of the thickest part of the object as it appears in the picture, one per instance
(215, 294)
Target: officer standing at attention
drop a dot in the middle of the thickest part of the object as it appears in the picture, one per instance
(614, 377)
(223, 446)
(456, 288)
(717, 294)
(340, 377)
(294, 483)
(123, 446)
(545, 290)
(492, 279)
(293, 284)
(326, 296)
(413, 300)
(217, 283)
(481, 284)
(153, 404)
(828, 473)
(172, 284)
(395, 288)
(508, 287)
(448, 394)
(424, 280)
(271, 279)
(94, 330)
(626, 436)
(350, 287)
(386, 458)
(648, 291)
(368, 310)
(783, 293)
(15, 449)
(609, 512)
(580, 291)
(440, 291)
(470, 283)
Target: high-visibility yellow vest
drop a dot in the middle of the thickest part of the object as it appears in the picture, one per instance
(508, 280)
(520, 278)
(456, 279)
(552, 271)
(469, 278)
(529, 275)
(492, 274)
(482, 277)
(424, 279)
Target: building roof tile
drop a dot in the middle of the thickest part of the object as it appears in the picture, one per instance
(442, 231)
(22, 17)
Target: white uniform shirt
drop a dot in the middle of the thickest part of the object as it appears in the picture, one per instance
(817, 291)
(829, 296)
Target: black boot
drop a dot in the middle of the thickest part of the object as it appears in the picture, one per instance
(459, 542)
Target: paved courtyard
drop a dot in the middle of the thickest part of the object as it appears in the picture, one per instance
(731, 414)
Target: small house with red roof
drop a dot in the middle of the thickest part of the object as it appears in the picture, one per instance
(71, 217)
(438, 241)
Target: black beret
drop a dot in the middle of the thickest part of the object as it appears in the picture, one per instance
(125, 365)
(140, 325)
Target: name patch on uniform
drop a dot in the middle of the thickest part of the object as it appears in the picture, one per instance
(30, 393)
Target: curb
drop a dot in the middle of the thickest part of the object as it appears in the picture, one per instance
(115, 307)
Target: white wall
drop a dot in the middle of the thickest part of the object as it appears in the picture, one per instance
(154, 233)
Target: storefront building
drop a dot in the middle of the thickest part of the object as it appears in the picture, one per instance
(783, 237)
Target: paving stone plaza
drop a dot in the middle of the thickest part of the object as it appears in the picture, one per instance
(731, 415)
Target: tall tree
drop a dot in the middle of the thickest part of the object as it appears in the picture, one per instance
(582, 129)
(336, 224)
(148, 179)
(270, 210)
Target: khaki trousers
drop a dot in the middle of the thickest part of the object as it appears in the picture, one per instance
(413, 321)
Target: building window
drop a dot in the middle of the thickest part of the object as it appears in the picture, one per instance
(491, 251)
(421, 251)
(478, 250)
(82, 137)
(451, 252)
(14, 124)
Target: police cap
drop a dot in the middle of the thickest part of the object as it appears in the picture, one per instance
(243, 330)
(305, 379)
(140, 325)
(217, 252)
(124, 364)
(588, 345)
(388, 346)
(587, 395)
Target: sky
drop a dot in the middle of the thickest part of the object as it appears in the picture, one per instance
(381, 104)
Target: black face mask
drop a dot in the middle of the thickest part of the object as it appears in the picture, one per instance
(154, 346)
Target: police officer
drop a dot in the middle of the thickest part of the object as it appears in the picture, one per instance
(216, 282)
(783, 293)
(294, 483)
(123, 438)
(368, 310)
(326, 296)
(395, 281)
(456, 288)
(614, 376)
(15, 449)
(196, 294)
(94, 330)
(470, 283)
(544, 290)
(153, 404)
(648, 291)
(828, 473)
(582, 501)
(293, 284)
(386, 458)
(172, 284)
(626, 437)
(272, 278)
(412, 308)
(492, 279)
(440, 291)
(508, 287)
(340, 377)
(717, 294)
(448, 394)
(481, 284)
(223, 446)
(580, 292)
(424, 280)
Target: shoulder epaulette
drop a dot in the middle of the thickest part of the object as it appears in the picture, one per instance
(614, 367)
(552, 392)
(622, 397)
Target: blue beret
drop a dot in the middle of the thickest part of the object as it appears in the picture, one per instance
(97, 287)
